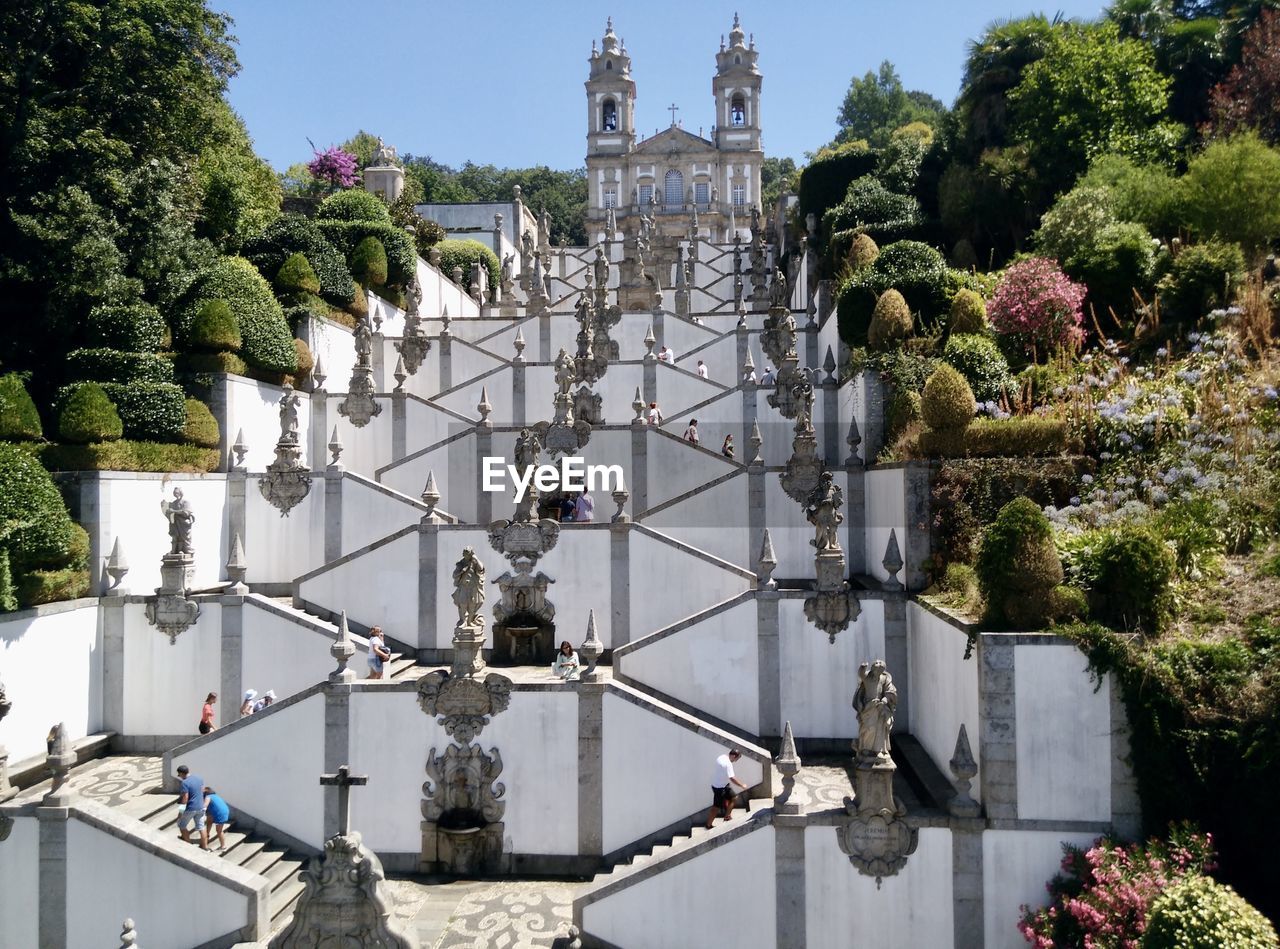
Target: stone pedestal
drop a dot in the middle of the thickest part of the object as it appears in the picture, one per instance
(467, 644)
(471, 851)
(386, 180)
(875, 837)
(170, 611)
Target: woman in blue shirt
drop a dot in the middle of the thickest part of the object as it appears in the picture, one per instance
(219, 815)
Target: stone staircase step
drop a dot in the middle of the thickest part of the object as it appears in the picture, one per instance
(145, 805)
(262, 861)
(283, 902)
(244, 851)
(282, 871)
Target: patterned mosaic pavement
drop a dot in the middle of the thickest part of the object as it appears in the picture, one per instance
(108, 781)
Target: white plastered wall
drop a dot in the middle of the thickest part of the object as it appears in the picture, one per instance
(669, 584)
(377, 587)
(165, 683)
(713, 520)
(253, 408)
(944, 688)
(1016, 865)
(886, 510)
(20, 886)
(280, 547)
(370, 512)
(820, 677)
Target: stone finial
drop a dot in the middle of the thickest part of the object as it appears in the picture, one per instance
(430, 495)
(853, 440)
(892, 562)
(335, 449)
(239, 448)
(754, 444)
(60, 760)
(445, 320)
(519, 344)
(318, 375)
(767, 563)
(399, 374)
(484, 407)
(592, 648)
(749, 369)
(117, 567)
(637, 406)
(788, 763)
(649, 342)
(620, 498)
(964, 768)
(236, 567)
(342, 649)
(742, 308)
(128, 935)
(829, 367)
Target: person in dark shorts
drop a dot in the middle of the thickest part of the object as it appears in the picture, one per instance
(722, 786)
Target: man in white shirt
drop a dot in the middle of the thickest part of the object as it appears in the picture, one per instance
(702, 369)
(768, 378)
(722, 782)
(666, 355)
(584, 510)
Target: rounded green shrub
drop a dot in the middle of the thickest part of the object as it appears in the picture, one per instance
(980, 361)
(1119, 260)
(214, 329)
(369, 263)
(131, 328)
(915, 270)
(266, 341)
(402, 256)
(87, 415)
(1201, 278)
(201, 428)
(1018, 567)
(947, 404)
(306, 361)
(34, 524)
(863, 252)
(871, 207)
(890, 321)
(1131, 569)
(112, 365)
(296, 276)
(52, 586)
(904, 411)
(1200, 913)
(463, 254)
(354, 204)
(293, 233)
(150, 411)
(19, 419)
(968, 312)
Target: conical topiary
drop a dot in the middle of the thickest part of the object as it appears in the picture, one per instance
(968, 313)
(890, 321)
(215, 330)
(947, 403)
(369, 263)
(296, 276)
(1018, 566)
(19, 419)
(88, 416)
(863, 252)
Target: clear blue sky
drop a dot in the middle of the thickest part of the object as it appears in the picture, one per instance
(502, 83)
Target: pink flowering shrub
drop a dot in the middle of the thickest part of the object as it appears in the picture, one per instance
(1039, 304)
(1103, 896)
(334, 166)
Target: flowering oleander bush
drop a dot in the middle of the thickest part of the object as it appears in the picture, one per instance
(334, 166)
(1039, 305)
(1103, 896)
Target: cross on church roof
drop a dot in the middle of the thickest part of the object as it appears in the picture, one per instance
(673, 109)
(344, 780)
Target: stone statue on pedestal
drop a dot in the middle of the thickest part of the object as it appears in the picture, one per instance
(875, 701)
(289, 403)
(181, 520)
(779, 291)
(823, 512)
(468, 589)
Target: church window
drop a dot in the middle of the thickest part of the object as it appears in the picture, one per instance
(608, 64)
(739, 196)
(609, 116)
(738, 111)
(646, 193)
(610, 197)
(674, 191)
(701, 193)
(737, 60)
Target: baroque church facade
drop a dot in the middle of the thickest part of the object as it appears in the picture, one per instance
(674, 176)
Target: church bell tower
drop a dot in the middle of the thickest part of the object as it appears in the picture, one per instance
(611, 95)
(736, 87)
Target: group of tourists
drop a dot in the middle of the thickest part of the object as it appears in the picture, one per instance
(199, 807)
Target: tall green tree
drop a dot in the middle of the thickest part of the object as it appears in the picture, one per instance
(240, 194)
(993, 68)
(877, 104)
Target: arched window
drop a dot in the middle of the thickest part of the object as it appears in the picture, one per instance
(608, 64)
(738, 111)
(609, 116)
(737, 60)
(673, 193)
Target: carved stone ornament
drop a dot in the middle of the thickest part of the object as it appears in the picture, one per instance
(878, 841)
(360, 407)
(803, 468)
(464, 779)
(169, 610)
(5, 703)
(524, 597)
(524, 539)
(463, 705)
(588, 406)
(342, 903)
(789, 389)
(287, 480)
(832, 610)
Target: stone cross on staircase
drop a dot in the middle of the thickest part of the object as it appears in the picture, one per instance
(344, 780)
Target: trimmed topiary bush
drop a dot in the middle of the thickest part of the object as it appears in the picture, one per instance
(402, 257)
(980, 361)
(296, 276)
(150, 411)
(463, 254)
(266, 341)
(369, 263)
(52, 586)
(125, 455)
(915, 270)
(112, 365)
(890, 321)
(35, 527)
(354, 204)
(306, 362)
(1018, 567)
(201, 428)
(872, 208)
(968, 313)
(904, 411)
(214, 329)
(1129, 572)
(863, 251)
(87, 415)
(19, 419)
(8, 593)
(293, 233)
(217, 362)
(131, 328)
(1200, 913)
(947, 403)
(1202, 277)
(1023, 436)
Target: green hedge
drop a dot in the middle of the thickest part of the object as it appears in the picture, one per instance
(1021, 437)
(86, 414)
(151, 411)
(354, 204)
(915, 270)
(369, 263)
(52, 586)
(266, 341)
(293, 234)
(131, 328)
(454, 253)
(127, 455)
(296, 275)
(201, 428)
(8, 592)
(34, 524)
(216, 362)
(112, 365)
(980, 361)
(1018, 567)
(825, 181)
(214, 329)
(19, 419)
(402, 257)
(871, 208)
(1202, 277)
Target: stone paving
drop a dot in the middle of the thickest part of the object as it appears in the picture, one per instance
(511, 914)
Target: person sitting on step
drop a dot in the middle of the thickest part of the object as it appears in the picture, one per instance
(566, 664)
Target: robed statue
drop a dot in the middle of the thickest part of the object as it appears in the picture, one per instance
(468, 589)
(181, 520)
(875, 701)
(822, 510)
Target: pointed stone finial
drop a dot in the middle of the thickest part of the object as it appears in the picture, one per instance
(117, 567)
(788, 763)
(742, 310)
(237, 569)
(430, 495)
(335, 449)
(484, 408)
(637, 406)
(317, 374)
(853, 440)
(59, 762)
(892, 562)
(519, 344)
(767, 563)
(239, 449)
(964, 768)
(649, 342)
(342, 650)
(128, 935)
(444, 322)
(749, 369)
(592, 648)
(829, 367)
(754, 444)
(400, 374)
